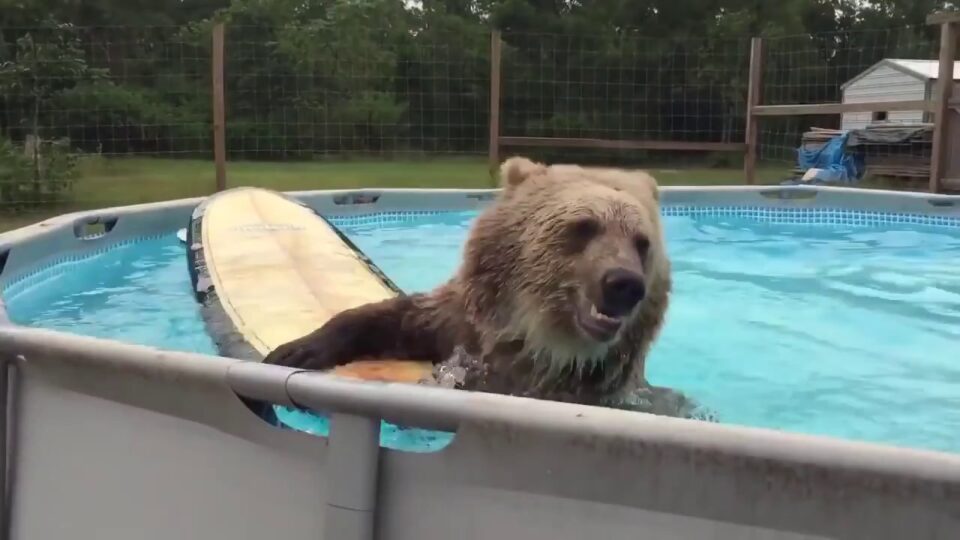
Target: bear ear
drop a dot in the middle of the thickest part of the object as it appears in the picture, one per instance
(651, 184)
(515, 170)
(642, 182)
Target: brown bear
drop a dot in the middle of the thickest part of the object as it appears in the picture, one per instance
(563, 287)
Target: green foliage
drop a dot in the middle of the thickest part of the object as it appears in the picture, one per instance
(306, 78)
(105, 117)
(38, 71)
(37, 176)
(40, 68)
(374, 116)
(14, 168)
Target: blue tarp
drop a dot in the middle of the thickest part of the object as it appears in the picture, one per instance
(833, 160)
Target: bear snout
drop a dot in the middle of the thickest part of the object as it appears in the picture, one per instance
(622, 290)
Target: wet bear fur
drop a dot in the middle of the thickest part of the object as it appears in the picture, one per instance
(563, 287)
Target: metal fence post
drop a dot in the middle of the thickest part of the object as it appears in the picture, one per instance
(7, 440)
(352, 466)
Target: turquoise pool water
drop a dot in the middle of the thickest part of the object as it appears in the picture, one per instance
(842, 330)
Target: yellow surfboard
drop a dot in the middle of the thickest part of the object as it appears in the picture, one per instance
(268, 269)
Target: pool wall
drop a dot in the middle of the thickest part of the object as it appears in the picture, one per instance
(107, 441)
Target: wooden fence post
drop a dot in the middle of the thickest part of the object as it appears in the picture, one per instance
(494, 143)
(219, 114)
(754, 88)
(943, 91)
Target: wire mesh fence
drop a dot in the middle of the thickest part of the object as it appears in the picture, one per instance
(109, 91)
(116, 115)
(313, 92)
(889, 65)
(623, 87)
(75, 100)
(72, 98)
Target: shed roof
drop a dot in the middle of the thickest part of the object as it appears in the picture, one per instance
(921, 69)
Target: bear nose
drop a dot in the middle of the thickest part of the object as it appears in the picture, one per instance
(622, 290)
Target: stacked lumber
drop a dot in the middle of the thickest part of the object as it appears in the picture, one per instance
(904, 158)
(816, 137)
(899, 166)
(888, 149)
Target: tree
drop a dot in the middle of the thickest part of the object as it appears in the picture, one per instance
(307, 77)
(37, 73)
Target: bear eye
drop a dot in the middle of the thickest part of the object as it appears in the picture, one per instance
(578, 234)
(642, 244)
(583, 229)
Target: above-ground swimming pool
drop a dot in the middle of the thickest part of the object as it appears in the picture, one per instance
(805, 310)
(820, 321)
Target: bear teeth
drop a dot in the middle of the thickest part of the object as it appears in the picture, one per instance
(597, 315)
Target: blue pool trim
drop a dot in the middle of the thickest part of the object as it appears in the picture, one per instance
(23, 279)
(386, 218)
(813, 216)
(766, 214)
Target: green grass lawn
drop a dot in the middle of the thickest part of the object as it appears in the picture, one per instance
(120, 181)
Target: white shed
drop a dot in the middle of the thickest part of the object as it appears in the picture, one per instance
(891, 79)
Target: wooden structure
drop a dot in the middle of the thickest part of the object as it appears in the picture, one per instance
(219, 114)
(494, 147)
(941, 108)
(945, 153)
(498, 140)
(944, 169)
(891, 79)
(754, 88)
(895, 150)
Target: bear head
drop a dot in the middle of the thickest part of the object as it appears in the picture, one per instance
(569, 260)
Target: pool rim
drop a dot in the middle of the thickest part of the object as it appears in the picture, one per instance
(128, 221)
(688, 475)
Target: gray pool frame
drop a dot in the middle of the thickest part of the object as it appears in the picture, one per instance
(106, 440)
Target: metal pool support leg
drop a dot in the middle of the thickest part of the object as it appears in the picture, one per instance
(6, 442)
(352, 462)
